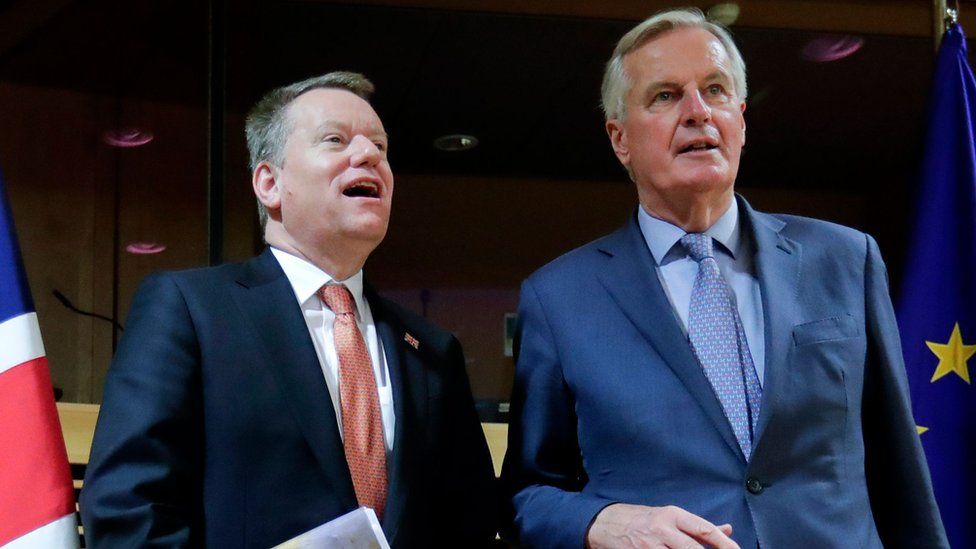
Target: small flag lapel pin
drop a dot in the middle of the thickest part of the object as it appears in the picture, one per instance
(411, 340)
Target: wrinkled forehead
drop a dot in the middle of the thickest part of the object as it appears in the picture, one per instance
(679, 53)
(332, 108)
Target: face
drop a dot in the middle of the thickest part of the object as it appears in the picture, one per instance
(335, 185)
(684, 130)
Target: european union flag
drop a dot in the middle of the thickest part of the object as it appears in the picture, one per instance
(937, 310)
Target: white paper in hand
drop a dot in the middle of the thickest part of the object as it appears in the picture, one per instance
(358, 529)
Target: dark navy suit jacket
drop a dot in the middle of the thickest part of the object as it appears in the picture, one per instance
(217, 427)
(611, 405)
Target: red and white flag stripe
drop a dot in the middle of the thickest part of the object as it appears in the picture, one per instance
(37, 508)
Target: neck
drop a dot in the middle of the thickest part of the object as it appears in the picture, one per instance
(340, 260)
(694, 213)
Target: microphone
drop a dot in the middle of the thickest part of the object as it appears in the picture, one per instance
(67, 303)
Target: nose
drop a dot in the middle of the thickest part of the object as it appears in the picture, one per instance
(694, 110)
(364, 151)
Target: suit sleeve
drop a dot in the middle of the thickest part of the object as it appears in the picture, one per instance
(898, 480)
(543, 473)
(143, 484)
(468, 518)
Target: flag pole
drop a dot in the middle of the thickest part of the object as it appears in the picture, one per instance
(942, 17)
(939, 11)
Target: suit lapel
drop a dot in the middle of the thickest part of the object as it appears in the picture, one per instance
(268, 303)
(778, 270)
(631, 280)
(407, 376)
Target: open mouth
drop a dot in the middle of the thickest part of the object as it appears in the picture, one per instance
(698, 147)
(362, 189)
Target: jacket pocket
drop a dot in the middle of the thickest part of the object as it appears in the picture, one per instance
(826, 329)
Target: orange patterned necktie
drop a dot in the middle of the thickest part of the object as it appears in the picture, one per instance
(362, 428)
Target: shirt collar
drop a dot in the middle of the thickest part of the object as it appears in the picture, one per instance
(306, 279)
(661, 236)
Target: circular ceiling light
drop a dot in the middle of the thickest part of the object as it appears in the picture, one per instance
(145, 248)
(127, 137)
(455, 142)
(831, 48)
(724, 14)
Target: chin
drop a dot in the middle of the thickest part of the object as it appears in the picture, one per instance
(707, 182)
(373, 231)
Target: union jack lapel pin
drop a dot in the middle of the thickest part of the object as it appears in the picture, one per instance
(412, 341)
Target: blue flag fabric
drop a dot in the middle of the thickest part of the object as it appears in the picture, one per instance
(937, 309)
(15, 297)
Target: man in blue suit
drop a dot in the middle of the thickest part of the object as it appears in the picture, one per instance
(249, 403)
(709, 375)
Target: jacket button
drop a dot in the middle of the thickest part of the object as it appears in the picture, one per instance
(754, 486)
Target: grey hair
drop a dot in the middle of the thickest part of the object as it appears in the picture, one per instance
(616, 81)
(267, 125)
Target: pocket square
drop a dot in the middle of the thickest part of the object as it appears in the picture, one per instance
(412, 341)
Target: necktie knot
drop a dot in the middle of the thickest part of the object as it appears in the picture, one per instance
(699, 246)
(337, 298)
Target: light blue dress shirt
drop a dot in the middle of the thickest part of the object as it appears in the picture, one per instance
(735, 257)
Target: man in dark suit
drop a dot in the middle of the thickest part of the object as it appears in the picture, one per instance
(249, 403)
(708, 374)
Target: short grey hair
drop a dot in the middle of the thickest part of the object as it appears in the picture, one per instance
(616, 81)
(267, 125)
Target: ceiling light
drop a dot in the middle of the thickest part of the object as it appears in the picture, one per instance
(144, 248)
(724, 14)
(127, 137)
(831, 48)
(455, 142)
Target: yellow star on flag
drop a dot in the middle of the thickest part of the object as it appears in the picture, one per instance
(920, 429)
(952, 356)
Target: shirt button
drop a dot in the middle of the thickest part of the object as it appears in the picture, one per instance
(754, 486)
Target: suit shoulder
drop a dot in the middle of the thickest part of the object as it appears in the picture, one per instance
(194, 277)
(575, 262)
(808, 230)
(206, 274)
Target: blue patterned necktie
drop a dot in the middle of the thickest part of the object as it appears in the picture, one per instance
(719, 342)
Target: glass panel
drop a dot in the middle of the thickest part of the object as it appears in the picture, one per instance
(103, 148)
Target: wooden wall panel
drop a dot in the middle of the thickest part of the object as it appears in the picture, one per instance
(63, 181)
(48, 155)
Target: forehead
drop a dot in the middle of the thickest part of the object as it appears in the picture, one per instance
(677, 56)
(333, 107)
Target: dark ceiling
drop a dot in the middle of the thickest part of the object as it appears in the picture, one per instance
(526, 85)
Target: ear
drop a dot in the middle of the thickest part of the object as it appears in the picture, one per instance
(265, 183)
(742, 111)
(618, 140)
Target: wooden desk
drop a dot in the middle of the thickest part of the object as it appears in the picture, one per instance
(497, 436)
(78, 426)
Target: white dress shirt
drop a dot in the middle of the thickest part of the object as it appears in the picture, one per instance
(735, 257)
(306, 279)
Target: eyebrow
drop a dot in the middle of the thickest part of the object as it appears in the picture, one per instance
(655, 87)
(719, 75)
(336, 125)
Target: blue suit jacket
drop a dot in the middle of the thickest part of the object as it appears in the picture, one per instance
(611, 405)
(217, 427)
